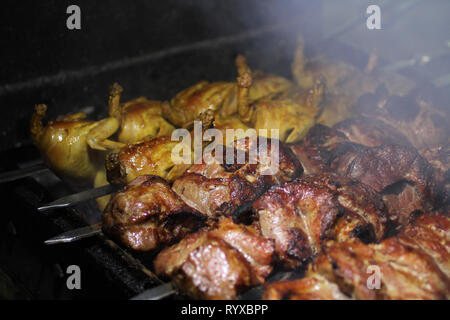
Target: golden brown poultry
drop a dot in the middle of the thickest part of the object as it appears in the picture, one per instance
(188, 104)
(221, 98)
(139, 118)
(152, 157)
(292, 112)
(72, 145)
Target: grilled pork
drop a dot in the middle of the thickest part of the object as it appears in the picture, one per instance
(413, 265)
(301, 215)
(218, 262)
(147, 214)
(216, 189)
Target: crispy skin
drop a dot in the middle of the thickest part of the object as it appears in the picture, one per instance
(302, 214)
(430, 233)
(147, 214)
(263, 85)
(216, 189)
(214, 197)
(149, 157)
(315, 151)
(297, 215)
(218, 262)
(413, 265)
(406, 273)
(406, 180)
(142, 119)
(188, 104)
(314, 287)
(257, 251)
(214, 270)
(65, 144)
(400, 173)
(293, 113)
(366, 215)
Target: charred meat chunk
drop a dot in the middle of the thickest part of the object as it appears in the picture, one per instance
(316, 150)
(217, 189)
(217, 262)
(302, 214)
(431, 234)
(400, 173)
(404, 273)
(147, 214)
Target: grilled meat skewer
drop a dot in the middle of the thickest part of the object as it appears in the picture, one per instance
(147, 214)
(214, 188)
(406, 180)
(217, 262)
(301, 215)
(413, 265)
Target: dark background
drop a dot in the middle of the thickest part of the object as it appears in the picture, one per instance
(153, 48)
(156, 48)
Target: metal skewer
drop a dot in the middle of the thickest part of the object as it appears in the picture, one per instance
(75, 198)
(22, 173)
(76, 234)
(157, 293)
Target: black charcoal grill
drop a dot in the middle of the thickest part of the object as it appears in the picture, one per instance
(150, 48)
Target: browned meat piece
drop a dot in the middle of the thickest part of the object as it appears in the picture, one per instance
(407, 181)
(214, 270)
(371, 132)
(147, 214)
(217, 263)
(405, 273)
(215, 189)
(439, 158)
(400, 173)
(302, 214)
(149, 157)
(214, 196)
(316, 149)
(314, 287)
(430, 233)
(414, 115)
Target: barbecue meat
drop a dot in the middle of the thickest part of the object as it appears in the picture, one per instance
(218, 262)
(405, 273)
(439, 158)
(139, 118)
(371, 132)
(400, 173)
(147, 214)
(215, 189)
(302, 214)
(431, 234)
(413, 265)
(149, 157)
(314, 287)
(425, 125)
(407, 181)
(190, 103)
(316, 150)
(262, 86)
(72, 146)
(214, 271)
(292, 112)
